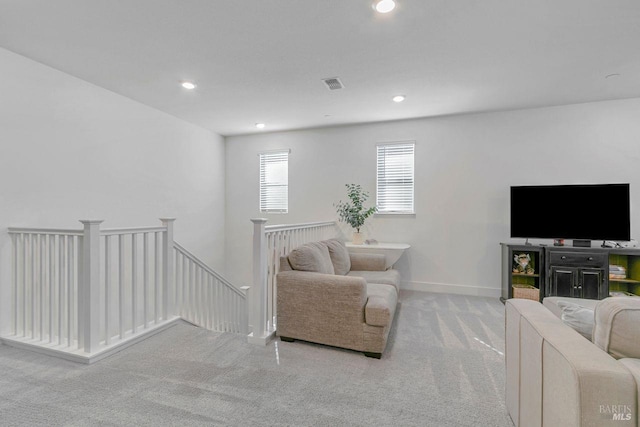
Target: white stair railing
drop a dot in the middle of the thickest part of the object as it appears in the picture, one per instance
(205, 298)
(135, 286)
(45, 280)
(82, 294)
(269, 244)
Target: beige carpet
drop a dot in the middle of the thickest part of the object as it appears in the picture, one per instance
(443, 367)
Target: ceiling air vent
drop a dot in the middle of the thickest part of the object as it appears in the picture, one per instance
(333, 83)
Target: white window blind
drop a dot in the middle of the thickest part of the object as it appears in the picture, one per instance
(274, 181)
(395, 189)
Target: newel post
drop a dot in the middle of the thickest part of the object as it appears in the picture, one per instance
(89, 298)
(258, 292)
(167, 268)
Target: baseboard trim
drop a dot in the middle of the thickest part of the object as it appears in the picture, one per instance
(79, 356)
(261, 340)
(446, 288)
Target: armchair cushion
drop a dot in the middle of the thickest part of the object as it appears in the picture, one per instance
(368, 262)
(339, 256)
(387, 277)
(551, 303)
(616, 328)
(578, 317)
(313, 257)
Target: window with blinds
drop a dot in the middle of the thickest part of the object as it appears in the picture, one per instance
(395, 184)
(274, 181)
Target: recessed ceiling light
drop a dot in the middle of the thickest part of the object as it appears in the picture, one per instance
(398, 98)
(260, 125)
(188, 85)
(384, 6)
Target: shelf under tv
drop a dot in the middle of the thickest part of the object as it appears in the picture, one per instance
(624, 280)
(524, 275)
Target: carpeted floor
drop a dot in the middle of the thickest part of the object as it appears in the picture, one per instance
(444, 366)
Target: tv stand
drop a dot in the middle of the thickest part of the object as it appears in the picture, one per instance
(581, 243)
(569, 271)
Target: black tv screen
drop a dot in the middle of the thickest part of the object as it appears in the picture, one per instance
(585, 212)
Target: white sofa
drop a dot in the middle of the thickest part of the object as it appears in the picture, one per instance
(557, 377)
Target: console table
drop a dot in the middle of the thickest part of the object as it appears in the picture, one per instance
(569, 271)
(392, 251)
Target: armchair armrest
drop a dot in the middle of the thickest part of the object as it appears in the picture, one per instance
(299, 291)
(367, 262)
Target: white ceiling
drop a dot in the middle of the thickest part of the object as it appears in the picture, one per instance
(263, 60)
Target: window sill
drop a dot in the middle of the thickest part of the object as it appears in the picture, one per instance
(394, 214)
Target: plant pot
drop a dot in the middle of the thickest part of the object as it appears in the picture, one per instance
(358, 238)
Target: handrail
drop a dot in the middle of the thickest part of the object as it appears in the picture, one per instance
(75, 232)
(131, 230)
(287, 227)
(205, 267)
(26, 230)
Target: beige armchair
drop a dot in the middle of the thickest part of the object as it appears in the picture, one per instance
(331, 297)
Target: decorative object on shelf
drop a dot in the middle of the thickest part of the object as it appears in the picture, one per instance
(522, 264)
(558, 242)
(617, 272)
(630, 244)
(354, 213)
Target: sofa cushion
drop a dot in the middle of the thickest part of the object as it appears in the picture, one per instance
(551, 303)
(339, 256)
(578, 317)
(313, 257)
(386, 277)
(368, 262)
(381, 304)
(616, 328)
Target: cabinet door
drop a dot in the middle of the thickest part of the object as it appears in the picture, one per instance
(562, 282)
(590, 283)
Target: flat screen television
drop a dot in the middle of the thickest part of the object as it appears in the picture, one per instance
(578, 212)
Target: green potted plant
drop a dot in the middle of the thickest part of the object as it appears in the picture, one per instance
(353, 212)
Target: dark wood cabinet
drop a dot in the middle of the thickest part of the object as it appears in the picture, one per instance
(562, 281)
(576, 282)
(577, 273)
(594, 284)
(568, 271)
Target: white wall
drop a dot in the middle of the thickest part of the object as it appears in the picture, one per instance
(464, 167)
(70, 150)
